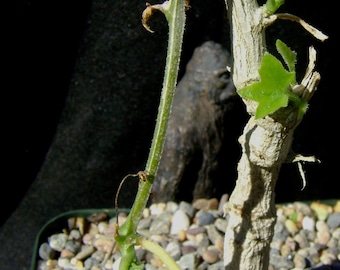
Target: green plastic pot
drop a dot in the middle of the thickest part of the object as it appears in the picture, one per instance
(59, 222)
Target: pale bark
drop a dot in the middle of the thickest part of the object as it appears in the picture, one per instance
(265, 144)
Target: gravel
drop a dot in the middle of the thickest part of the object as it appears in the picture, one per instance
(307, 236)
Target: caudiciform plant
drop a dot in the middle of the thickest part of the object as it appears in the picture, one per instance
(276, 103)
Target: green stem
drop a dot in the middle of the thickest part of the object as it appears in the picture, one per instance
(176, 20)
(159, 252)
(299, 103)
(174, 11)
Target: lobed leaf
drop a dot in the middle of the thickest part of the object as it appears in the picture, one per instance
(271, 91)
(287, 54)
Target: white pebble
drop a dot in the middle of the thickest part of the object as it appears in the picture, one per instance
(157, 208)
(180, 221)
(308, 223)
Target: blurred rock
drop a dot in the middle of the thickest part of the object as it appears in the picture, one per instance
(196, 128)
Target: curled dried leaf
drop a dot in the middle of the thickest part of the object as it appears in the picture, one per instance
(311, 79)
(148, 11)
(300, 159)
(187, 4)
(286, 16)
(142, 175)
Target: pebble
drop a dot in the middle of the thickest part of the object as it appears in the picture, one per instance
(180, 221)
(305, 237)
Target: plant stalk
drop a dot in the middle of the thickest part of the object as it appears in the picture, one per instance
(160, 252)
(174, 11)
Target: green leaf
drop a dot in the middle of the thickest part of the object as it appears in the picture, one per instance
(135, 266)
(271, 91)
(272, 5)
(287, 54)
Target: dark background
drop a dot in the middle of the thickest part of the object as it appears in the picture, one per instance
(57, 59)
